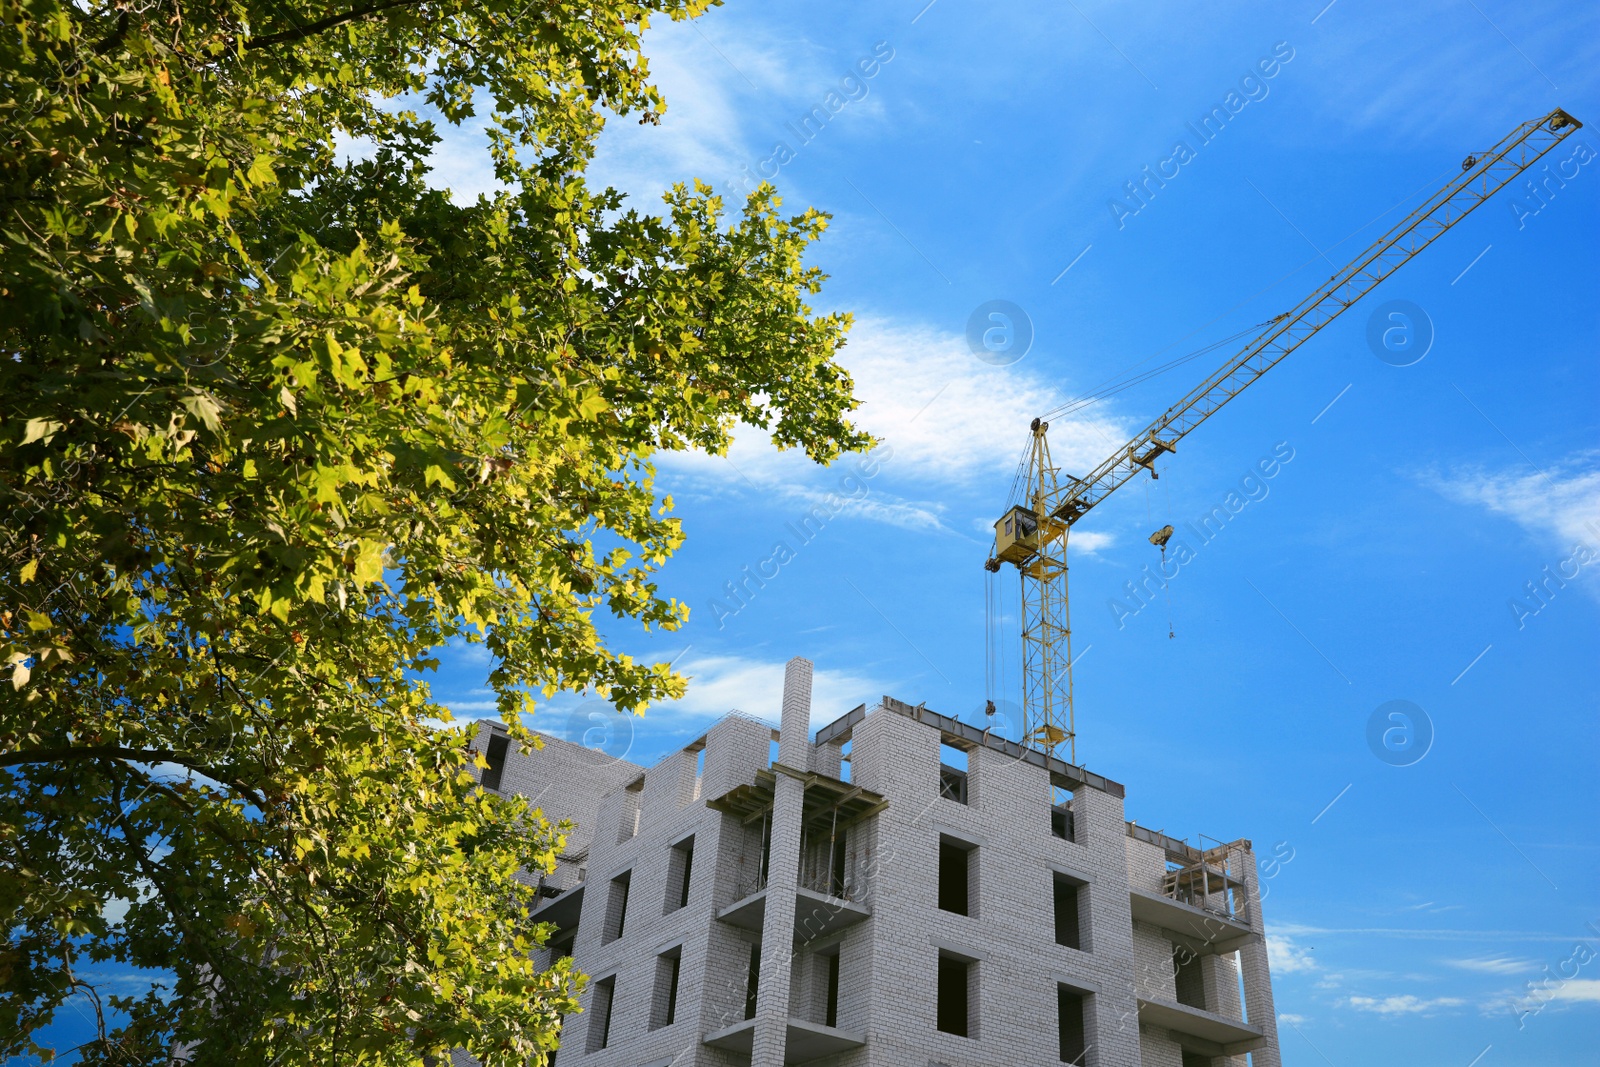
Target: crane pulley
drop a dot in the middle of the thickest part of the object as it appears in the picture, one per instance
(1032, 536)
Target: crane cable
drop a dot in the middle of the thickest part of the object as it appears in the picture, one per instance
(1166, 491)
(1166, 583)
(1127, 380)
(1109, 388)
(1091, 397)
(988, 638)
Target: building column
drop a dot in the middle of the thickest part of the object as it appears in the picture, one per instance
(1114, 1024)
(1258, 1006)
(783, 870)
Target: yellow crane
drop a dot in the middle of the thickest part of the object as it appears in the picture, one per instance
(1032, 535)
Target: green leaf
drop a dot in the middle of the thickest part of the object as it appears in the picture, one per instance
(258, 342)
(40, 430)
(204, 407)
(437, 475)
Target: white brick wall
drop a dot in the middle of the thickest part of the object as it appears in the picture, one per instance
(887, 963)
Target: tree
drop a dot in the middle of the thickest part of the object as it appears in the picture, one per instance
(274, 427)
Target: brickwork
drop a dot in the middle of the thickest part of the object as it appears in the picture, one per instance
(1258, 1006)
(1145, 865)
(564, 781)
(868, 962)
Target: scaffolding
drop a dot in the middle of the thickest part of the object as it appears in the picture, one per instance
(1208, 882)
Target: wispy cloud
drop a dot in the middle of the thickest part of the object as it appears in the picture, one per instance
(1431, 908)
(947, 418)
(719, 684)
(1403, 1004)
(952, 417)
(1559, 506)
(702, 132)
(469, 707)
(874, 504)
(1403, 933)
(1536, 996)
(732, 87)
(1493, 965)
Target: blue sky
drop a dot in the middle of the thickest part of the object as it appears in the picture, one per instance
(1423, 906)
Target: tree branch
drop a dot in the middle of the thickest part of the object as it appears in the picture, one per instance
(311, 29)
(137, 755)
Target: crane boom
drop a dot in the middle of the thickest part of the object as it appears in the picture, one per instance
(1033, 536)
(1486, 176)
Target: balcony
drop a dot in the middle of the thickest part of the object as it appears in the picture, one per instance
(562, 909)
(817, 912)
(828, 802)
(1200, 1031)
(1202, 932)
(805, 1041)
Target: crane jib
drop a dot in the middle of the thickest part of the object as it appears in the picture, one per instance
(1481, 177)
(1033, 536)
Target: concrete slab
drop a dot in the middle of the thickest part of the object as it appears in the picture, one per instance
(815, 914)
(1201, 1031)
(805, 1040)
(562, 910)
(1203, 932)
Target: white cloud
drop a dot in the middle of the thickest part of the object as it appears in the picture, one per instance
(129, 982)
(464, 653)
(719, 684)
(1559, 506)
(469, 707)
(1578, 990)
(701, 133)
(1091, 542)
(698, 135)
(1291, 1019)
(1285, 957)
(731, 87)
(1431, 908)
(951, 417)
(461, 162)
(1538, 995)
(1493, 965)
(1368, 932)
(1405, 1004)
(872, 503)
(944, 416)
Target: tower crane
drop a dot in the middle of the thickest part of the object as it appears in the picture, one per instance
(1032, 536)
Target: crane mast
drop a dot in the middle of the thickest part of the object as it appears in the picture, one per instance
(1033, 536)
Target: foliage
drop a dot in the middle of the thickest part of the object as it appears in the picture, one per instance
(275, 425)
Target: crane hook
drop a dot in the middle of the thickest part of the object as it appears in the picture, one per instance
(1160, 539)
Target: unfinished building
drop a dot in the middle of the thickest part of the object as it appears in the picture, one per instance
(900, 889)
